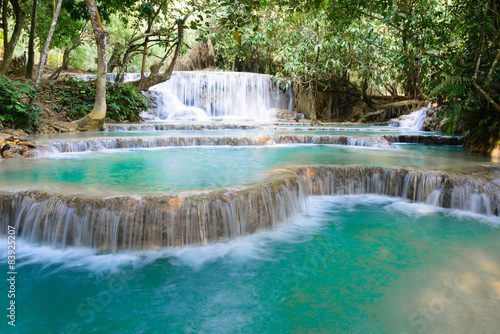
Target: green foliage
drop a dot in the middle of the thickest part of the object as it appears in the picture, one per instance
(422, 49)
(376, 43)
(470, 60)
(75, 99)
(124, 102)
(452, 87)
(15, 111)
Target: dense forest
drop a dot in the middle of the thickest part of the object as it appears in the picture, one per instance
(351, 52)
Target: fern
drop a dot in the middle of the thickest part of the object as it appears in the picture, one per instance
(452, 87)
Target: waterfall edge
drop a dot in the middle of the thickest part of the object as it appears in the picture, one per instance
(193, 218)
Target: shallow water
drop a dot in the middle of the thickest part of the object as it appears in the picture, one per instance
(366, 264)
(175, 169)
(260, 131)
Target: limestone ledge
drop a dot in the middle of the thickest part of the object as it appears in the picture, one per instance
(193, 218)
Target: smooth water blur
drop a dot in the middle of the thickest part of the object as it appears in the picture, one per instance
(175, 169)
(351, 264)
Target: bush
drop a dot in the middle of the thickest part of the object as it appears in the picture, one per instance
(124, 102)
(15, 112)
(75, 99)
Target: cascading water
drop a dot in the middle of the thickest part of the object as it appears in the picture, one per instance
(125, 222)
(413, 121)
(203, 95)
(85, 145)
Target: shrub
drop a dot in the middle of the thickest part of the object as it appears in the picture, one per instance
(75, 99)
(124, 102)
(15, 111)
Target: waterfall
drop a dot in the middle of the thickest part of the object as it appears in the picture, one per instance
(94, 144)
(131, 222)
(455, 191)
(413, 121)
(85, 145)
(204, 95)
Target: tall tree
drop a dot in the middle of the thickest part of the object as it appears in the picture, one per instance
(10, 44)
(156, 77)
(31, 43)
(95, 120)
(45, 53)
(164, 26)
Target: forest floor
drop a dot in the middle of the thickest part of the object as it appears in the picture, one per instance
(51, 121)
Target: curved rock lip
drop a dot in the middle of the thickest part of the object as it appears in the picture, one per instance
(192, 218)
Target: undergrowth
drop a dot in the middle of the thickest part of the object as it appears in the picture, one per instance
(75, 99)
(465, 108)
(15, 109)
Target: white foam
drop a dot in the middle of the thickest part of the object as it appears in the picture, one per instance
(225, 95)
(321, 212)
(413, 121)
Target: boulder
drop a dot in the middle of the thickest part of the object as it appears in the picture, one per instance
(435, 121)
(285, 115)
(12, 147)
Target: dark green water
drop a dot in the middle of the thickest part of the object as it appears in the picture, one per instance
(351, 264)
(177, 169)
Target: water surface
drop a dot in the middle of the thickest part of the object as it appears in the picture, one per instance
(351, 264)
(176, 169)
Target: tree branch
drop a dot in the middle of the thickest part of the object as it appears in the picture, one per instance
(492, 69)
(481, 90)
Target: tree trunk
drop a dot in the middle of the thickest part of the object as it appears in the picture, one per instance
(95, 120)
(45, 53)
(18, 28)
(31, 43)
(364, 96)
(114, 60)
(156, 77)
(76, 43)
(146, 41)
(65, 63)
(120, 74)
(145, 54)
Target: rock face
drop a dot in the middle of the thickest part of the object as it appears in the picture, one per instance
(425, 139)
(12, 147)
(324, 105)
(285, 115)
(432, 123)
